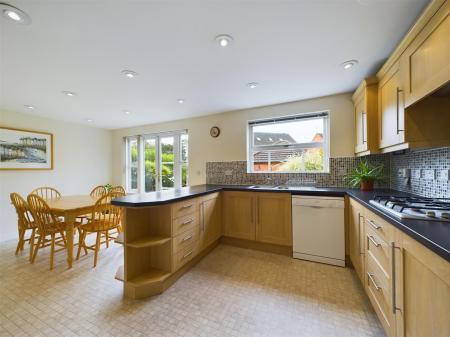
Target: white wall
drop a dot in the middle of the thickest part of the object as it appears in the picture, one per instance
(231, 144)
(82, 160)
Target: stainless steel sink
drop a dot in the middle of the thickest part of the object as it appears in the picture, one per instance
(269, 187)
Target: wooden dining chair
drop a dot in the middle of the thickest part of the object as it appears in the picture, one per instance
(48, 225)
(99, 191)
(117, 189)
(46, 192)
(104, 217)
(25, 222)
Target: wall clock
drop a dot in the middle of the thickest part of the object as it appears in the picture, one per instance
(214, 132)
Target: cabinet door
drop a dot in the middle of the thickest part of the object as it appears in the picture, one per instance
(427, 58)
(211, 220)
(274, 218)
(239, 215)
(360, 125)
(423, 293)
(391, 116)
(356, 238)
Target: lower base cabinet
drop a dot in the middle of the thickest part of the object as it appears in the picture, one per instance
(258, 216)
(210, 219)
(422, 290)
(407, 284)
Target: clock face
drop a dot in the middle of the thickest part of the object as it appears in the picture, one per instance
(214, 132)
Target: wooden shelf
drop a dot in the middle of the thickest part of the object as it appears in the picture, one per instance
(119, 239)
(152, 276)
(149, 242)
(120, 274)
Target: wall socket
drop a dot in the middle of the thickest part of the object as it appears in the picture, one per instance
(444, 175)
(416, 173)
(428, 174)
(404, 173)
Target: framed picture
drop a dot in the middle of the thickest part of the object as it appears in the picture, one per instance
(25, 149)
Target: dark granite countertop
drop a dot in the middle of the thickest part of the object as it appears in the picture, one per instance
(433, 234)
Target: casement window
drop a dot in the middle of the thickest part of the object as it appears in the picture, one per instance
(290, 144)
(156, 162)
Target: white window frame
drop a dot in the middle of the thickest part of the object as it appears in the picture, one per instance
(141, 162)
(325, 115)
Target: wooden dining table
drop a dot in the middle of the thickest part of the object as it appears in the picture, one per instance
(71, 207)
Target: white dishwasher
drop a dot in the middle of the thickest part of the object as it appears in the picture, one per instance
(318, 229)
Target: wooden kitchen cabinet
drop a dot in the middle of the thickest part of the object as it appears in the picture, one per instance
(407, 284)
(356, 238)
(426, 60)
(365, 101)
(239, 215)
(422, 290)
(391, 117)
(210, 219)
(258, 216)
(274, 218)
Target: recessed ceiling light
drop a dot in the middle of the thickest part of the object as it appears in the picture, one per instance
(127, 112)
(14, 14)
(69, 93)
(349, 64)
(31, 107)
(129, 73)
(224, 40)
(252, 85)
(181, 100)
(89, 120)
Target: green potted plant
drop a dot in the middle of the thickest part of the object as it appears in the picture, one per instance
(364, 175)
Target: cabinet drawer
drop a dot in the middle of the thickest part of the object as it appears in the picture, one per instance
(185, 223)
(185, 239)
(381, 227)
(183, 208)
(184, 255)
(378, 288)
(379, 249)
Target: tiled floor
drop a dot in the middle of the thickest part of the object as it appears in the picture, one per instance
(231, 292)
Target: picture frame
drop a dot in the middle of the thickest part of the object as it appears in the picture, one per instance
(22, 149)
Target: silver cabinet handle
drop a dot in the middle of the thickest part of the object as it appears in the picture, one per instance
(394, 278)
(398, 110)
(187, 238)
(362, 122)
(373, 224)
(359, 234)
(187, 254)
(187, 222)
(377, 287)
(371, 238)
(186, 206)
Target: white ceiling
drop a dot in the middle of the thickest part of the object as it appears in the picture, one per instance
(292, 48)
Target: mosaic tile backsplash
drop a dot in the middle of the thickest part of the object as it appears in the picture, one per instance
(419, 163)
(235, 172)
(423, 165)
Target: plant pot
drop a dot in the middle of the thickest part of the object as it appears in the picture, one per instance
(366, 185)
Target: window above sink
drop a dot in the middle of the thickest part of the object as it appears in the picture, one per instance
(291, 144)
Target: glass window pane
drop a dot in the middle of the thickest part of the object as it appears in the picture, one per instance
(167, 163)
(184, 147)
(184, 174)
(133, 153)
(150, 164)
(283, 133)
(167, 177)
(287, 160)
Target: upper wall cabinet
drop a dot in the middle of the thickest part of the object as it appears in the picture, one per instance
(391, 117)
(365, 117)
(426, 61)
(414, 85)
